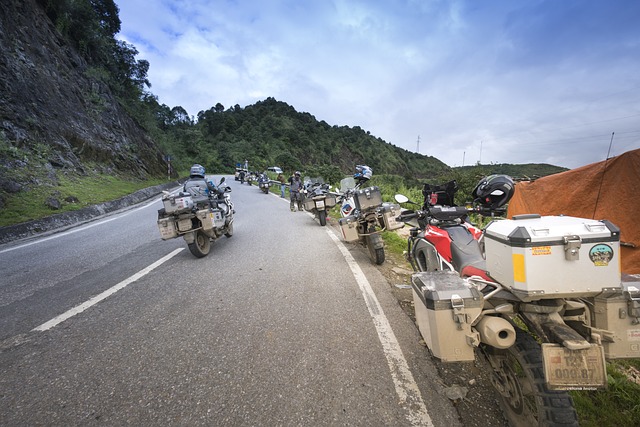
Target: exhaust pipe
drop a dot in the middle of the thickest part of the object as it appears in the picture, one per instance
(496, 332)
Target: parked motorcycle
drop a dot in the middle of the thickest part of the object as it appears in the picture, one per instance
(364, 215)
(198, 216)
(317, 198)
(540, 298)
(264, 183)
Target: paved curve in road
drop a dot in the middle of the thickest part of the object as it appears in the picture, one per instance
(282, 324)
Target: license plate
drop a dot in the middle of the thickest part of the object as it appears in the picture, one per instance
(566, 369)
(184, 224)
(319, 204)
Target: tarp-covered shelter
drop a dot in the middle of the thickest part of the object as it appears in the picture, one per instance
(605, 190)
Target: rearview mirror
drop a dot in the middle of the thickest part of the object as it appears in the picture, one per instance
(401, 198)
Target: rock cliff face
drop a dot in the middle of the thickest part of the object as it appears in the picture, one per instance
(53, 116)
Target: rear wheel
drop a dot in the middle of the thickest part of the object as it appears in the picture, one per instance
(519, 378)
(376, 255)
(322, 216)
(201, 245)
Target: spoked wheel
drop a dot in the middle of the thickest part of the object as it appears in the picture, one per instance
(201, 245)
(376, 255)
(519, 378)
(229, 232)
(322, 216)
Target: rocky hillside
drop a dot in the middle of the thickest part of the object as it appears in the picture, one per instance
(55, 118)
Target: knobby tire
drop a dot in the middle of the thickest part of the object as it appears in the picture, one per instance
(528, 401)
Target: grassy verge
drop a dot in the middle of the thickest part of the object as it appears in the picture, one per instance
(73, 194)
(619, 404)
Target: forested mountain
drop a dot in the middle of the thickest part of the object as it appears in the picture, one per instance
(271, 132)
(527, 171)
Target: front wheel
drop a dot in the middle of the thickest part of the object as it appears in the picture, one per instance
(519, 378)
(322, 216)
(201, 245)
(375, 254)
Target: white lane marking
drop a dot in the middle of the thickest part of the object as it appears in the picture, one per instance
(405, 384)
(81, 228)
(96, 299)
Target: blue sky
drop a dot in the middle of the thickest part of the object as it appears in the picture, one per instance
(490, 81)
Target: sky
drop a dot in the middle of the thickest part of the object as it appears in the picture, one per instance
(465, 81)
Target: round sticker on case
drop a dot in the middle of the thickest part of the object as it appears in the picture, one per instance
(601, 254)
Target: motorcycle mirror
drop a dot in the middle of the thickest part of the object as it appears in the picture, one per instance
(401, 198)
(222, 180)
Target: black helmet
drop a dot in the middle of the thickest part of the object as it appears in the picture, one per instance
(494, 191)
(197, 170)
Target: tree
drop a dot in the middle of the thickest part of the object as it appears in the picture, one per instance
(180, 116)
(107, 13)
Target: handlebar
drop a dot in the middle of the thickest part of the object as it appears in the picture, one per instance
(447, 213)
(409, 215)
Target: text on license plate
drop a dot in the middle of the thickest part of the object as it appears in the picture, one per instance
(566, 369)
(319, 204)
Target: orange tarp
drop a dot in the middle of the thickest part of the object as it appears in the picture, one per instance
(575, 193)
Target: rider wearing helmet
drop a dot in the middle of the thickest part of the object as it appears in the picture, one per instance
(295, 188)
(363, 173)
(197, 185)
(494, 191)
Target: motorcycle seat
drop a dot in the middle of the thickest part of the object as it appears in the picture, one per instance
(466, 255)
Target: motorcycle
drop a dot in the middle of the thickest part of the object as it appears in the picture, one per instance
(264, 183)
(250, 177)
(318, 199)
(200, 217)
(365, 216)
(539, 298)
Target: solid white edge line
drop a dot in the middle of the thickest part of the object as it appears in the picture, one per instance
(96, 299)
(78, 228)
(405, 385)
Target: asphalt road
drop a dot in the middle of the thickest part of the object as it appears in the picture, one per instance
(282, 324)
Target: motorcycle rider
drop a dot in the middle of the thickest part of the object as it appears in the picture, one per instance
(197, 185)
(295, 188)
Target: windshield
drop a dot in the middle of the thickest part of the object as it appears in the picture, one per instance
(316, 180)
(347, 184)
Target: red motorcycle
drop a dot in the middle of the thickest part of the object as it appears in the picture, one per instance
(536, 297)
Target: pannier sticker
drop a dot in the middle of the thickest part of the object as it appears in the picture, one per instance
(601, 254)
(541, 250)
(633, 335)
